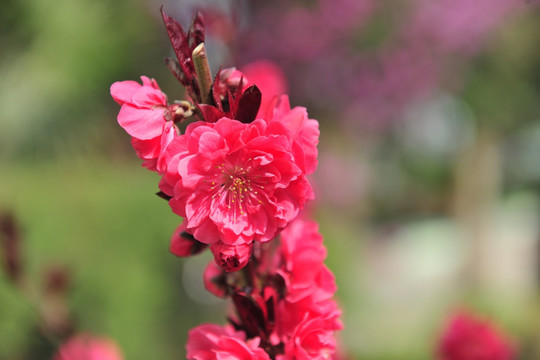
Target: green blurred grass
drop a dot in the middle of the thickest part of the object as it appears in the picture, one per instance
(102, 220)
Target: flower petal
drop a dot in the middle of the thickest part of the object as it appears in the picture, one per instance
(143, 124)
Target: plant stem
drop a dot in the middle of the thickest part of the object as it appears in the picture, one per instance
(248, 275)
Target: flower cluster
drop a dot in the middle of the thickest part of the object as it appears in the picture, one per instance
(237, 175)
(236, 183)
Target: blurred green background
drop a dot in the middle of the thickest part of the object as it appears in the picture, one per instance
(436, 209)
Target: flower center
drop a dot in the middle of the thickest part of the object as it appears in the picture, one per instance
(238, 188)
(237, 185)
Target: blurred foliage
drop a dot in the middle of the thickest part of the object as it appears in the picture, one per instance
(82, 213)
(58, 59)
(503, 84)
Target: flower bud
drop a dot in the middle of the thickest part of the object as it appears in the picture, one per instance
(184, 244)
(231, 257)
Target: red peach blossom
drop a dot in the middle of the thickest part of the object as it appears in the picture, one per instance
(214, 342)
(234, 182)
(289, 315)
(309, 288)
(302, 132)
(312, 339)
(303, 270)
(142, 116)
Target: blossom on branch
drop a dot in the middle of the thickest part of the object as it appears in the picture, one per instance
(302, 133)
(234, 183)
(144, 115)
(307, 316)
(214, 342)
(284, 300)
(303, 266)
(313, 338)
(238, 175)
(238, 178)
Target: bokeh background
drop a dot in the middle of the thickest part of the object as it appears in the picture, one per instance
(427, 188)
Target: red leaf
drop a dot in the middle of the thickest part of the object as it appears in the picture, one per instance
(196, 245)
(215, 94)
(162, 195)
(211, 113)
(250, 314)
(179, 41)
(196, 31)
(270, 313)
(174, 67)
(249, 104)
(177, 35)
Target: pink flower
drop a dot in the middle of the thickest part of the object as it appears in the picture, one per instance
(85, 346)
(302, 132)
(303, 256)
(291, 315)
(306, 317)
(291, 312)
(234, 182)
(143, 116)
(312, 339)
(213, 342)
(470, 338)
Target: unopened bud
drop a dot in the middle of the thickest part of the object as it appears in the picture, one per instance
(231, 257)
(184, 244)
